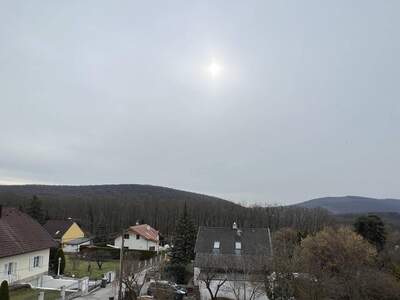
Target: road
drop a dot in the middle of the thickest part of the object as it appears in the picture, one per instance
(101, 294)
(112, 290)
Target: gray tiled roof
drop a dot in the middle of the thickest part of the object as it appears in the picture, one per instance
(254, 241)
(78, 241)
(19, 233)
(254, 253)
(57, 228)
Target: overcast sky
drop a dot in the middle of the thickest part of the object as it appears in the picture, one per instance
(306, 102)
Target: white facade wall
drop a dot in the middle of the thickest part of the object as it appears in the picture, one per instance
(74, 248)
(133, 243)
(243, 289)
(23, 268)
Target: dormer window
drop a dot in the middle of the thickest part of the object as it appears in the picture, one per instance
(238, 246)
(216, 245)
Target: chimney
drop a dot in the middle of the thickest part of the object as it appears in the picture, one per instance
(234, 226)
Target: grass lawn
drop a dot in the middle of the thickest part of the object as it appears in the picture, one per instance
(81, 268)
(31, 294)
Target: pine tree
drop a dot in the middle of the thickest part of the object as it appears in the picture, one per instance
(182, 251)
(372, 228)
(35, 209)
(4, 293)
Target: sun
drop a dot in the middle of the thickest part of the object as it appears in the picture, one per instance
(214, 69)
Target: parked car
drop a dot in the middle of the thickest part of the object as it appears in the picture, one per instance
(167, 287)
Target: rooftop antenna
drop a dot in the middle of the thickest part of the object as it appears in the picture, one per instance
(234, 226)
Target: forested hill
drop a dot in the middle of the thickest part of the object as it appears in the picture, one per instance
(354, 205)
(109, 191)
(118, 206)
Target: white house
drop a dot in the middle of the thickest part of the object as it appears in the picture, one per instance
(24, 248)
(74, 246)
(139, 237)
(231, 261)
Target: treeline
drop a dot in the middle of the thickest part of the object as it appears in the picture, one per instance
(109, 208)
(357, 262)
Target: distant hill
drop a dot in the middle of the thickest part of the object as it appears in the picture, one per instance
(121, 205)
(107, 191)
(354, 205)
(114, 204)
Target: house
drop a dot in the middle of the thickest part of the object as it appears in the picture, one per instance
(232, 261)
(74, 246)
(139, 237)
(64, 231)
(24, 247)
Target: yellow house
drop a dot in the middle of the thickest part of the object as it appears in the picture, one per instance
(64, 231)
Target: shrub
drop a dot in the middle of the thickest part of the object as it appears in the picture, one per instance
(177, 272)
(4, 294)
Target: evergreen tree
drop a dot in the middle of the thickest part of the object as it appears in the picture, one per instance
(35, 209)
(4, 293)
(182, 251)
(372, 229)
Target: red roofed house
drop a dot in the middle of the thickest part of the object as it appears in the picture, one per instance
(24, 247)
(139, 237)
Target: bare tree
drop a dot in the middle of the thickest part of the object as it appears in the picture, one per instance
(133, 277)
(279, 277)
(245, 275)
(99, 256)
(211, 275)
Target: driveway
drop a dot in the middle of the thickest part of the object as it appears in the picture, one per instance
(112, 290)
(101, 294)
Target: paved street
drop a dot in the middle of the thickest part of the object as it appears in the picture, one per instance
(111, 290)
(101, 294)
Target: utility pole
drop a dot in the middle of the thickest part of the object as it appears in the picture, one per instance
(121, 265)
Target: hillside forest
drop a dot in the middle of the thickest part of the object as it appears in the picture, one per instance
(109, 208)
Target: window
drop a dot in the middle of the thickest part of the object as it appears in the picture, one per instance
(10, 268)
(152, 248)
(126, 236)
(216, 245)
(36, 262)
(138, 237)
(238, 245)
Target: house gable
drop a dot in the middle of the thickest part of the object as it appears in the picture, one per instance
(73, 232)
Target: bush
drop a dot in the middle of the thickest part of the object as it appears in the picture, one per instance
(177, 272)
(4, 293)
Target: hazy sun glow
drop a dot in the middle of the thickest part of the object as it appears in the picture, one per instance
(214, 69)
